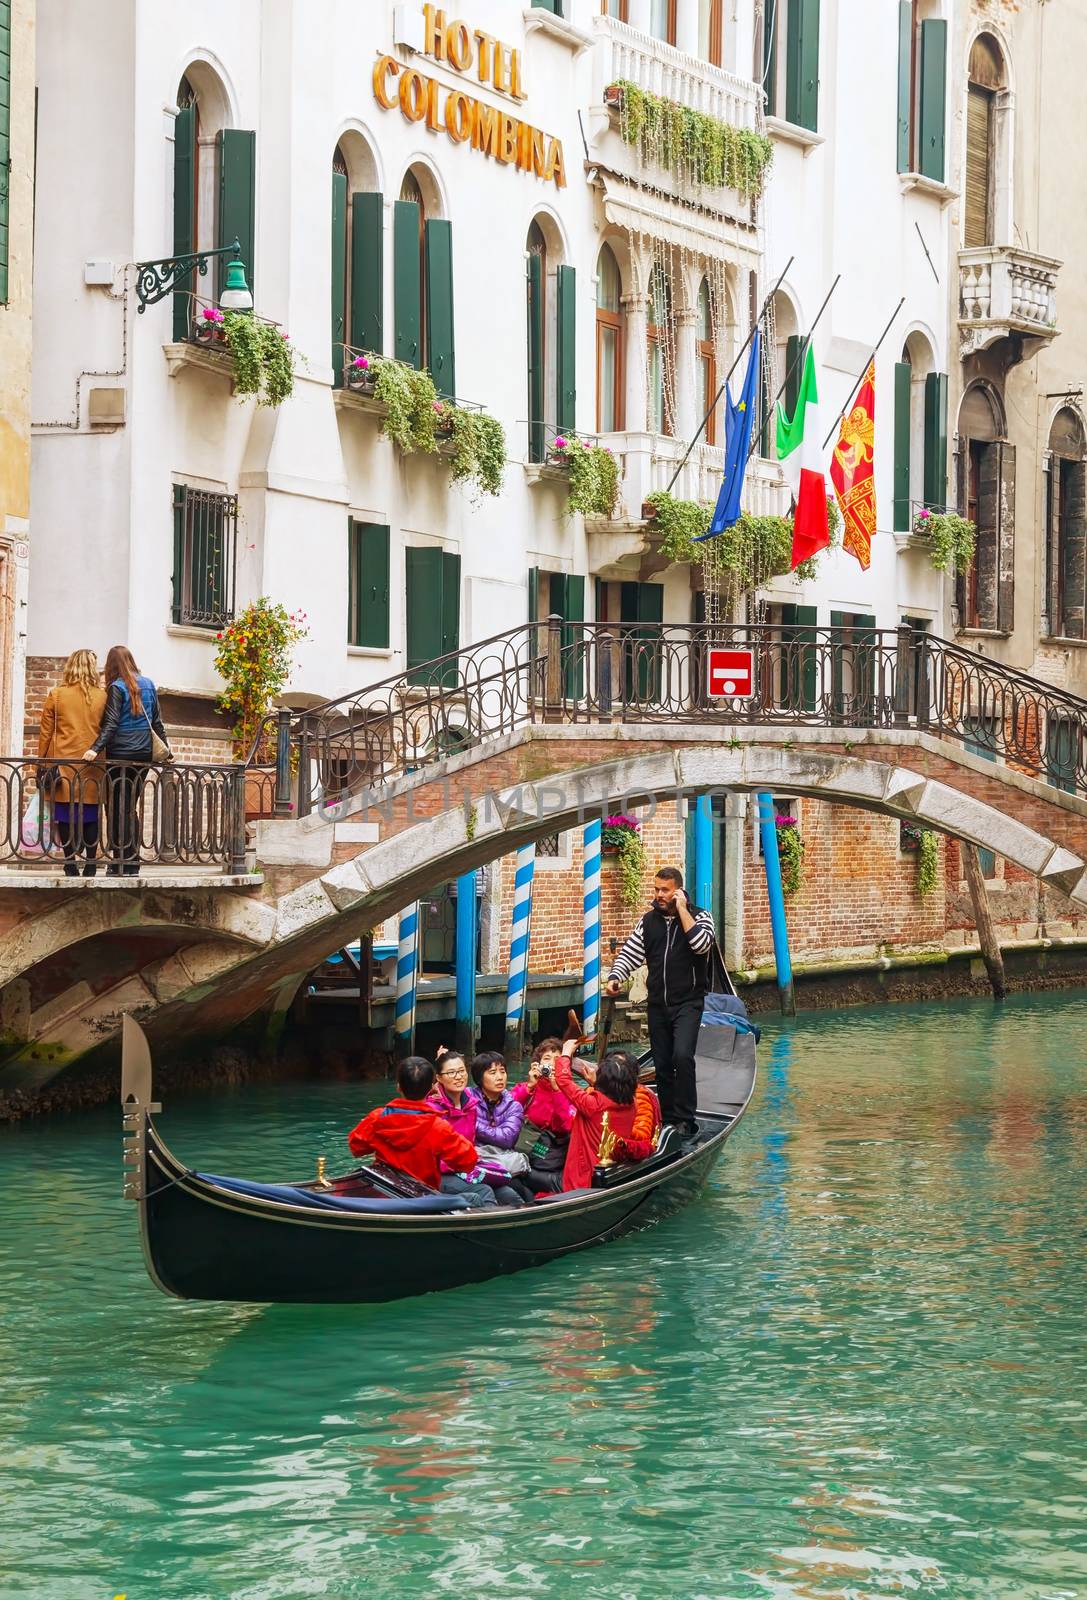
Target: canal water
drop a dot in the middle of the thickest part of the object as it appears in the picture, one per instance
(855, 1368)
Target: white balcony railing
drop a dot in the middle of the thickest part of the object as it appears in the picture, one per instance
(1004, 291)
(648, 460)
(623, 53)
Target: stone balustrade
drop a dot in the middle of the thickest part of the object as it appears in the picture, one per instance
(625, 54)
(1004, 292)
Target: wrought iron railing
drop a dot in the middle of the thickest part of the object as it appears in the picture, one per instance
(88, 818)
(602, 673)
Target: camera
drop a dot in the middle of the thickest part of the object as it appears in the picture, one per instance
(547, 1071)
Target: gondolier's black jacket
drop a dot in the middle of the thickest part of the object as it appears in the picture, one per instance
(678, 962)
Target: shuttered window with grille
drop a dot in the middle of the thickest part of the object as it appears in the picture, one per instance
(205, 546)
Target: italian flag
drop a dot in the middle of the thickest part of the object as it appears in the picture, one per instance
(799, 450)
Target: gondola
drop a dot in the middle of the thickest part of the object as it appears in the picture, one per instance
(373, 1234)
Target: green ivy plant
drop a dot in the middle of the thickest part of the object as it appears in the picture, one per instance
(925, 844)
(746, 556)
(951, 539)
(263, 358)
(791, 854)
(624, 835)
(691, 142)
(594, 475)
(412, 407)
(478, 447)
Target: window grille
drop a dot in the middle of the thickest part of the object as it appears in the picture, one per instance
(205, 546)
(549, 845)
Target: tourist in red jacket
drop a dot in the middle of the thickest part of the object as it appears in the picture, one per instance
(411, 1135)
(616, 1081)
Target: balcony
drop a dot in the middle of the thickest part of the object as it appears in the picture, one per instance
(1009, 294)
(623, 54)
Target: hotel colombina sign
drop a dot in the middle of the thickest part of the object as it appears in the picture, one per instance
(453, 111)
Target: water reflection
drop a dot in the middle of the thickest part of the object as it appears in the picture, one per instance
(853, 1369)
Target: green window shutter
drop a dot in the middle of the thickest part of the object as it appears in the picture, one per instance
(933, 99)
(407, 284)
(368, 620)
(339, 274)
(936, 439)
(838, 621)
(534, 594)
(237, 199)
(802, 64)
(536, 442)
(423, 574)
(905, 84)
(179, 552)
(367, 331)
(641, 604)
(573, 636)
(439, 302)
(566, 407)
(794, 347)
(554, 6)
(799, 664)
(450, 613)
(903, 387)
(770, 28)
(184, 209)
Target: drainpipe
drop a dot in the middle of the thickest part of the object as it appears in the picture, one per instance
(465, 1015)
(702, 888)
(769, 836)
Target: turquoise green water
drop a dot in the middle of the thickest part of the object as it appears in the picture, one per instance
(855, 1368)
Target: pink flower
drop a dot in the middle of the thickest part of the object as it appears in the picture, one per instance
(560, 442)
(437, 405)
(360, 361)
(212, 314)
(607, 449)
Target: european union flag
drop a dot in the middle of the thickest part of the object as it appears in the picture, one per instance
(739, 423)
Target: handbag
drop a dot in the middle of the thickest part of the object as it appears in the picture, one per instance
(548, 1153)
(161, 754)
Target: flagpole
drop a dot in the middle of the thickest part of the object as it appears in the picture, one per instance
(864, 369)
(801, 354)
(717, 397)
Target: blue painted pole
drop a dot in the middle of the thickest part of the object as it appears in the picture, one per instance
(465, 1011)
(520, 938)
(590, 1003)
(702, 888)
(407, 978)
(772, 861)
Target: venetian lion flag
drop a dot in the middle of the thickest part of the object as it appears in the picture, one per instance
(852, 471)
(799, 450)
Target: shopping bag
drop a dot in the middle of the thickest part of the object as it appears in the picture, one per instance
(34, 829)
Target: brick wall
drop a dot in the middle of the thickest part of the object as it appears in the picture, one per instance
(198, 734)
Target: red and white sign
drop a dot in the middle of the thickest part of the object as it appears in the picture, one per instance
(731, 674)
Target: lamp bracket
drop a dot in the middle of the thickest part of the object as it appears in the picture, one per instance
(155, 279)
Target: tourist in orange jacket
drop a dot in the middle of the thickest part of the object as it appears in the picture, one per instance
(411, 1135)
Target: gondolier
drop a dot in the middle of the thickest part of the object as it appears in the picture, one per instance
(673, 940)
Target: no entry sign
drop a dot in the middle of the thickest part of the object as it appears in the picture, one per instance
(731, 674)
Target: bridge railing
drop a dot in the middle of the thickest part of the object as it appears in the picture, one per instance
(120, 816)
(605, 672)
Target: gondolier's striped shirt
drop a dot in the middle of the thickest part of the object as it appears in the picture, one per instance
(632, 955)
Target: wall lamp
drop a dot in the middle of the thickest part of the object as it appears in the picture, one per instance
(155, 279)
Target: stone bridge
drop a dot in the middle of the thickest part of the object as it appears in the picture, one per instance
(398, 790)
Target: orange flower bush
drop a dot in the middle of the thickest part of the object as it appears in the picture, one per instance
(254, 661)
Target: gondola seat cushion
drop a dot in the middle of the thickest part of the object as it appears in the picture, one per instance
(389, 1206)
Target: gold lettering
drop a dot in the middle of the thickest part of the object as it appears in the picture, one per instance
(413, 95)
(501, 82)
(507, 146)
(385, 65)
(538, 159)
(458, 115)
(555, 168)
(432, 105)
(435, 32)
(484, 128)
(485, 42)
(516, 89)
(458, 44)
(524, 148)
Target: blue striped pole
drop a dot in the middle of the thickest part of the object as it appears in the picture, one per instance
(768, 835)
(590, 1003)
(407, 979)
(520, 937)
(464, 1021)
(702, 888)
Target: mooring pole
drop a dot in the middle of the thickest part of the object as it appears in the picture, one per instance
(702, 888)
(407, 977)
(590, 1002)
(772, 861)
(520, 939)
(467, 932)
(983, 919)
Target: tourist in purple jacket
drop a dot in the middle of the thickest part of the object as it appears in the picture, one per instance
(498, 1121)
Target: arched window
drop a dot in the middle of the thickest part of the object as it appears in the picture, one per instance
(423, 281)
(987, 497)
(609, 344)
(1066, 526)
(979, 176)
(660, 335)
(536, 273)
(357, 270)
(707, 360)
(214, 188)
(551, 309)
(920, 434)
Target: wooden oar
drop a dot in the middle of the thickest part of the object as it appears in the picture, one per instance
(607, 1022)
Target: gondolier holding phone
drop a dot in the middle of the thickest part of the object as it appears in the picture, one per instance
(673, 941)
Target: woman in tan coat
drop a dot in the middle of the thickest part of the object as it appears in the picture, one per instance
(71, 717)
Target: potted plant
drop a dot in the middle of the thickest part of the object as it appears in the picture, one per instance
(208, 327)
(359, 375)
(593, 472)
(923, 843)
(254, 661)
(790, 853)
(950, 539)
(621, 837)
